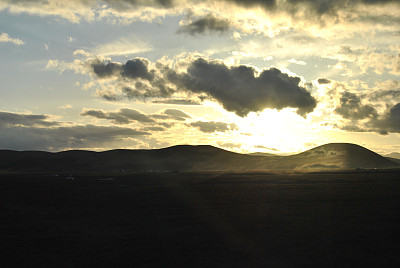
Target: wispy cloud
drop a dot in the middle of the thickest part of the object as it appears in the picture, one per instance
(127, 116)
(6, 38)
(298, 62)
(66, 106)
(123, 46)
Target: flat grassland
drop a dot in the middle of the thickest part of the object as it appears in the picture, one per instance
(338, 219)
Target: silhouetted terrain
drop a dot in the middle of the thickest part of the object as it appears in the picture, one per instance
(335, 156)
(128, 208)
(324, 219)
(340, 156)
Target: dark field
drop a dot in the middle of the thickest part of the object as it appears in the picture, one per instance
(348, 219)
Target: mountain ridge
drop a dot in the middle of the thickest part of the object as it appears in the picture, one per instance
(331, 156)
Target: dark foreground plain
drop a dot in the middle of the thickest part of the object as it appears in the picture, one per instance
(338, 219)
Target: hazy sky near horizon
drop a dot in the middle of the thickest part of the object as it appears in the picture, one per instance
(276, 76)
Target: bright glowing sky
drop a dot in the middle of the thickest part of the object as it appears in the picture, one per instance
(276, 76)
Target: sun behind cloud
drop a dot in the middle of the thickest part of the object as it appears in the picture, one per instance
(247, 75)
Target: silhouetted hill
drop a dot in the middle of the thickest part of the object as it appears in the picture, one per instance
(340, 156)
(334, 156)
(396, 160)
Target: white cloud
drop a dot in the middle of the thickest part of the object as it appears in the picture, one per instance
(5, 38)
(77, 66)
(123, 46)
(299, 62)
(236, 36)
(66, 106)
(82, 53)
(72, 11)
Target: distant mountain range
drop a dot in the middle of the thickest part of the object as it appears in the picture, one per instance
(183, 158)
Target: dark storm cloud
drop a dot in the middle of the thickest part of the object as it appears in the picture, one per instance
(210, 127)
(390, 122)
(239, 90)
(351, 108)
(332, 6)
(163, 88)
(208, 23)
(387, 123)
(322, 81)
(365, 118)
(102, 69)
(132, 69)
(123, 116)
(12, 119)
(137, 68)
(157, 88)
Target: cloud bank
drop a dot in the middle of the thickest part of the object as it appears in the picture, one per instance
(351, 108)
(240, 89)
(27, 120)
(149, 10)
(37, 132)
(361, 117)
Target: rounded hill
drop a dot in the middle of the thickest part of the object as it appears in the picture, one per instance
(342, 156)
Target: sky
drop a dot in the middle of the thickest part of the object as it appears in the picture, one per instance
(273, 76)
